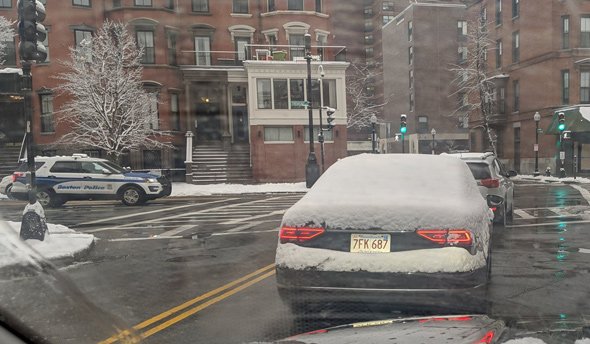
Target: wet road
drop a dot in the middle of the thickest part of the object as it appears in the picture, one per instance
(199, 270)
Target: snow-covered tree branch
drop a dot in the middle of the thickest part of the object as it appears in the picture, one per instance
(360, 78)
(109, 108)
(475, 87)
(6, 35)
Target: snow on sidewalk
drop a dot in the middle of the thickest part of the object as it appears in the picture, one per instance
(60, 242)
(543, 179)
(185, 189)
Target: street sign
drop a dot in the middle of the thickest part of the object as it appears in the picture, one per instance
(562, 155)
(535, 147)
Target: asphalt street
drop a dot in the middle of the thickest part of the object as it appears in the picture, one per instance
(199, 270)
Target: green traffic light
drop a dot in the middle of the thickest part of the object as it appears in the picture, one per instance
(561, 127)
(403, 130)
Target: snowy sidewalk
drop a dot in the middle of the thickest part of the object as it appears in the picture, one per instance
(543, 179)
(185, 189)
(60, 242)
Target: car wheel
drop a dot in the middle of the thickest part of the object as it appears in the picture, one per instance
(48, 198)
(132, 195)
(8, 193)
(500, 217)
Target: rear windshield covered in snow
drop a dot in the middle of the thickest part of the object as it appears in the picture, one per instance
(480, 170)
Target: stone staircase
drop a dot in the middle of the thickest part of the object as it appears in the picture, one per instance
(213, 165)
(8, 159)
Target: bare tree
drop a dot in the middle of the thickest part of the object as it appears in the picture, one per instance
(109, 108)
(6, 35)
(475, 87)
(360, 78)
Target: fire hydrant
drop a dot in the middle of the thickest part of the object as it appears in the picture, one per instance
(548, 172)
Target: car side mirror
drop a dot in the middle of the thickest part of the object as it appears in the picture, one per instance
(127, 169)
(105, 171)
(511, 173)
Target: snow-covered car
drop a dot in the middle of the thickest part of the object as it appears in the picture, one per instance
(395, 228)
(6, 185)
(494, 182)
(79, 177)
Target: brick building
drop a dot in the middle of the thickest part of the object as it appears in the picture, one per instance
(229, 71)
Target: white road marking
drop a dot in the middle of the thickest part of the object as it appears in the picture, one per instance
(152, 212)
(243, 227)
(585, 193)
(233, 222)
(176, 231)
(546, 224)
(523, 214)
(583, 250)
(181, 237)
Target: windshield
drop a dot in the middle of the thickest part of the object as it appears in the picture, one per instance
(236, 171)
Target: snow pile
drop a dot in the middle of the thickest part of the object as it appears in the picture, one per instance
(393, 193)
(60, 242)
(185, 189)
(544, 179)
(527, 340)
(446, 259)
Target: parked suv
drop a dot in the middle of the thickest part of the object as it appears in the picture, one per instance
(79, 177)
(494, 182)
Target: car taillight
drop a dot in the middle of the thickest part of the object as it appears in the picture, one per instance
(487, 339)
(299, 234)
(16, 175)
(490, 183)
(450, 237)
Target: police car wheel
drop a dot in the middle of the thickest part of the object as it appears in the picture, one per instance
(48, 198)
(132, 195)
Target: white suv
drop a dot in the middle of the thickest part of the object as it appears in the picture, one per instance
(79, 177)
(494, 182)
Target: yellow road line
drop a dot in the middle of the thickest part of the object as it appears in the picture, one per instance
(188, 304)
(213, 301)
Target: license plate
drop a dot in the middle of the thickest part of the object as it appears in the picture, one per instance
(370, 243)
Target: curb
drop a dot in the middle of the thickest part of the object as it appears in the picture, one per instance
(68, 260)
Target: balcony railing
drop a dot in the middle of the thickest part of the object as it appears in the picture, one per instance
(258, 52)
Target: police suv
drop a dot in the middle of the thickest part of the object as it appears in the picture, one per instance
(79, 177)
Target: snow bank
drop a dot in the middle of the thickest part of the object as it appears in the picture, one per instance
(393, 192)
(544, 179)
(527, 340)
(447, 259)
(185, 189)
(60, 242)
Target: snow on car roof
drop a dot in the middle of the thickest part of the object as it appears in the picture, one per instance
(472, 155)
(397, 192)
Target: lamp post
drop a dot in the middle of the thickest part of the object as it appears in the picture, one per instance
(433, 132)
(537, 118)
(321, 134)
(312, 170)
(373, 133)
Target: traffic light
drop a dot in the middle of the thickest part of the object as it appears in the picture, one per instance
(31, 13)
(403, 124)
(330, 113)
(561, 121)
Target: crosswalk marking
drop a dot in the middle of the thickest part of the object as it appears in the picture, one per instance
(523, 214)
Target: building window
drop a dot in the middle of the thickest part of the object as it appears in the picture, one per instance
(565, 32)
(81, 35)
(318, 6)
(297, 43)
(584, 87)
(368, 52)
(169, 4)
(240, 46)
(501, 100)
(422, 124)
(369, 39)
(154, 113)
(200, 5)
(462, 54)
(171, 44)
(498, 53)
(174, 112)
(328, 134)
(387, 19)
(240, 6)
(202, 51)
(411, 55)
(515, 8)
(277, 134)
(387, 5)
(145, 39)
(263, 93)
(410, 31)
(84, 3)
(280, 93)
(46, 113)
(411, 79)
(5, 3)
(515, 47)
(585, 32)
(516, 88)
(143, 3)
(116, 3)
(461, 28)
(295, 5)
(411, 101)
(297, 93)
(9, 53)
(329, 93)
(565, 86)
(368, 11)
(484, 14)
(368, 25)
(271, 6)
(498, 12)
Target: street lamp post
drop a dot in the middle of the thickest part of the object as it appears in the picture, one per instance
(321, 134)
(537, 118)
(373, 134)
(433, 132)
(312, 170)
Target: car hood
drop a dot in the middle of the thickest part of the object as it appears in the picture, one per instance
(140, 175)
